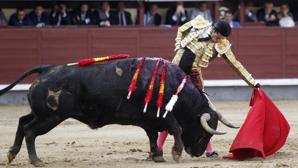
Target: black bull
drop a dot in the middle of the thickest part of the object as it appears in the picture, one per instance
(96, 96)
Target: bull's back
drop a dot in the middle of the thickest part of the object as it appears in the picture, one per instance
(102, 88)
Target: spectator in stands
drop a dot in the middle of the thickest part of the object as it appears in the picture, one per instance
(294, 9)
(268, 15)
(177, 16)
(202, 11)
(249, 15)
(122, 17)
(3, 20)
(151, 17)
(39, 17)
(103, 16)
(222, 12)
(54, 12)
(60, 16)
(285, 16)
(229, 19)
(83, 16)
(295, 15)
(19, 18)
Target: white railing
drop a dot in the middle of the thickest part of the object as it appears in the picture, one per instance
(208, 83)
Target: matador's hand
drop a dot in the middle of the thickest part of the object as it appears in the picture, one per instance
(257, 85)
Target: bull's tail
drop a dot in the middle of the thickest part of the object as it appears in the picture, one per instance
(37, 69)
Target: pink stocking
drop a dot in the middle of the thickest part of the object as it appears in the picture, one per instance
(161, 139)
(209, 148)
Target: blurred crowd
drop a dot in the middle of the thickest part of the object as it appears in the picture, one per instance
(269, 16)
(61, 14)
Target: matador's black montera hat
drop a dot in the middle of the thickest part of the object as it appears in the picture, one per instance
(222, 27)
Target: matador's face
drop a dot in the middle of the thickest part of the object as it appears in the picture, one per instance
(215, 36)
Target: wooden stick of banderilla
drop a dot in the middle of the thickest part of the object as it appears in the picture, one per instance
(88, 61)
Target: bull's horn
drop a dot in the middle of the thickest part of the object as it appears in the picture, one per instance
(206, 117)
(225, 121)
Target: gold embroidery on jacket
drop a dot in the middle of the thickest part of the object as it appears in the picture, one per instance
(190, 31)
(222, 46)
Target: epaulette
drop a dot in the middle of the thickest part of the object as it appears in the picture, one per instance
(185, 27)
(222, 46)
(200, 22)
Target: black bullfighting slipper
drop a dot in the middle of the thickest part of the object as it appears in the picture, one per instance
(213, 154)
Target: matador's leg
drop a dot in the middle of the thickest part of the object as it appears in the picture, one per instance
(197, 79)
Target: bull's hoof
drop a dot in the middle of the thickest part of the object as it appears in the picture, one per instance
(155, 157)
(176, 155)
(158, 159)
(10, 155)
(37, 163)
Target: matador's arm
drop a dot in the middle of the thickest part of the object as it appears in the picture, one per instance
(193, 29)
(181, 29)
(238, 67)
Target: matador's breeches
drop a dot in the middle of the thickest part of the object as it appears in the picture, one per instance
(196, 78)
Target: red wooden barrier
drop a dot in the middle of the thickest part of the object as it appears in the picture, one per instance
(265, 52)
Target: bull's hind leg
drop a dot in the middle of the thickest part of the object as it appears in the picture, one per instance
(35, 128)
(14, 150)
(175, 130)
(155, 153)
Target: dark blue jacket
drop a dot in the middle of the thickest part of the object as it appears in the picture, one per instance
(99, 16)
(43, 19)
(78, 20)
(116, 19)
(13, 21)
(261, 15)
(65, 18)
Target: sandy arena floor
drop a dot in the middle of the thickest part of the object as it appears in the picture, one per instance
(73, 144)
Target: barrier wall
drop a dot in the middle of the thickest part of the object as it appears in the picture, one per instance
(265, 52)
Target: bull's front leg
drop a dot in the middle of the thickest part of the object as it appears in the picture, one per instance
(175, 129)
(155, 154)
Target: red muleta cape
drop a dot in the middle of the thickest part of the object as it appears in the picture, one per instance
(264, 131)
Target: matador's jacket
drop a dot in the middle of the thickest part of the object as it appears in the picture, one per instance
(195, 49)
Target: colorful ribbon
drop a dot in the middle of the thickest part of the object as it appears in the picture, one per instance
(151, 86)
(161, 89)
(85, 62)
(133, 82)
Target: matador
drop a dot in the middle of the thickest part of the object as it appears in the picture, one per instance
(199, 42)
